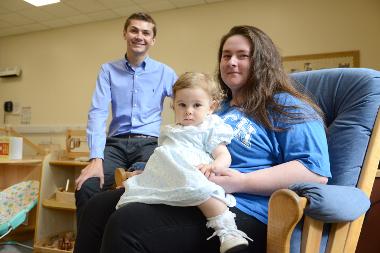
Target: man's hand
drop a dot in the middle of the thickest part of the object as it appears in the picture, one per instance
(94, 169)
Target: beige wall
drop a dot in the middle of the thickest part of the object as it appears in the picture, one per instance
(60, 66)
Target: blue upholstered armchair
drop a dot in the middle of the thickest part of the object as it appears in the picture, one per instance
(328, 218)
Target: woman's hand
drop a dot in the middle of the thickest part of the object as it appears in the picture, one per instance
(229, 179)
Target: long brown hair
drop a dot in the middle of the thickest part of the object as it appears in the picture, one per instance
(266, 78)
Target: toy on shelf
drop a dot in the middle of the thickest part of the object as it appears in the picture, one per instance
(74, 150)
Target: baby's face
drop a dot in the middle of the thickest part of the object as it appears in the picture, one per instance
(191, 106)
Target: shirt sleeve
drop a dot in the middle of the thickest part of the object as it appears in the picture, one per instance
(98, 114)
(220, 133)
(169, 86)
(306, 142)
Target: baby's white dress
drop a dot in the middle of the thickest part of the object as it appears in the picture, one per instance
(170, 176)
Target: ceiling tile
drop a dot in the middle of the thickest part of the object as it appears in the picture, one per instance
(8, 32)
(86, 6)
(56, 23)
(4, 24)
(186, 3)
(36, 14)
(102, 15)
(116, 3)
(152, 6)
(138, 2)
(13, 30)
(4, 9)
(17, 16)
(78, 19)
(34, 27)
(14, 5)
(60, 10)
(15, 19)
(126, 11)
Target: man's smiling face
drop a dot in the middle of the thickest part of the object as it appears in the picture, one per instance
(139, 37)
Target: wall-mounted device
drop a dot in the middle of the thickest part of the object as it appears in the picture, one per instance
(8, 106)
(10, 71)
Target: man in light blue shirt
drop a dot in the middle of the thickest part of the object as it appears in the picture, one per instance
(136, 88)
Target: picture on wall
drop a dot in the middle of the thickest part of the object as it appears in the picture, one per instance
(347, 59)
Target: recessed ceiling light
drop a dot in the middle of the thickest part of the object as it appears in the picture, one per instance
(42, 2)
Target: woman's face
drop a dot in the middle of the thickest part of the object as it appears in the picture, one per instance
(235, 62)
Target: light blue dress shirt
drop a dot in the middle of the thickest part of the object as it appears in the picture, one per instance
(136, 95)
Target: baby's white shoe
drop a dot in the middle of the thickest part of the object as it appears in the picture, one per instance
(231, 239)
(231, 243)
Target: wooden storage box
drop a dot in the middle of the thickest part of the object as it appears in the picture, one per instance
(66, 197)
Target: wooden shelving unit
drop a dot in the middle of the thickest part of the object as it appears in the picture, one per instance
(69, 163)
(51, 217)
(54, 204)
(14, 171)
(29, 161)
(55, 217)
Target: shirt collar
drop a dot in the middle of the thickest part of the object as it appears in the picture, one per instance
(144, 64)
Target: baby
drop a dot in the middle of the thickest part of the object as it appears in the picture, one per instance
(187, 154)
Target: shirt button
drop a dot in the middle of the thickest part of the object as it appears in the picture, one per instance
(134, 105)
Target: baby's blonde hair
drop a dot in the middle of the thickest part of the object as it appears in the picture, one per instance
(199, 80)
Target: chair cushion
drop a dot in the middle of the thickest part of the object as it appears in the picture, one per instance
(332, 203)
(350, 98)
(137, 166)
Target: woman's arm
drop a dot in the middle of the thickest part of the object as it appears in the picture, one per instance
(266, 181)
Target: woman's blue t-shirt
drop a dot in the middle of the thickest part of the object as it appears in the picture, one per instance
(255, 147)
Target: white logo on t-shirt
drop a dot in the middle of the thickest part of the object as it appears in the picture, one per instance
(243, 128)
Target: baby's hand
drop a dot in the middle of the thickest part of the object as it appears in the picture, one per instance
(207, 169)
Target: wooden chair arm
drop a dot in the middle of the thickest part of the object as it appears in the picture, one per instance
(121, 175)
(285, 211)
